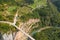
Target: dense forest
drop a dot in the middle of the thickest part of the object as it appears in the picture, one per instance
(39, 19)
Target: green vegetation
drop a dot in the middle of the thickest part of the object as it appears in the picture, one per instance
(48, 34)
(46, 11)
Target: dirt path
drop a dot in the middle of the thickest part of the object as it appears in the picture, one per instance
(13, 24)
(44, 28)
(26, 27)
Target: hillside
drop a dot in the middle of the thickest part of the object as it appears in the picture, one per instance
(29, 20)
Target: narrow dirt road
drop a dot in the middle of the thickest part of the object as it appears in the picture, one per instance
(26, 27)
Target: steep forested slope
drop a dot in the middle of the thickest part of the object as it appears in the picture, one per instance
(38, 18)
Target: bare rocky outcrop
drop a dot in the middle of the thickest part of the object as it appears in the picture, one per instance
(27, 27)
